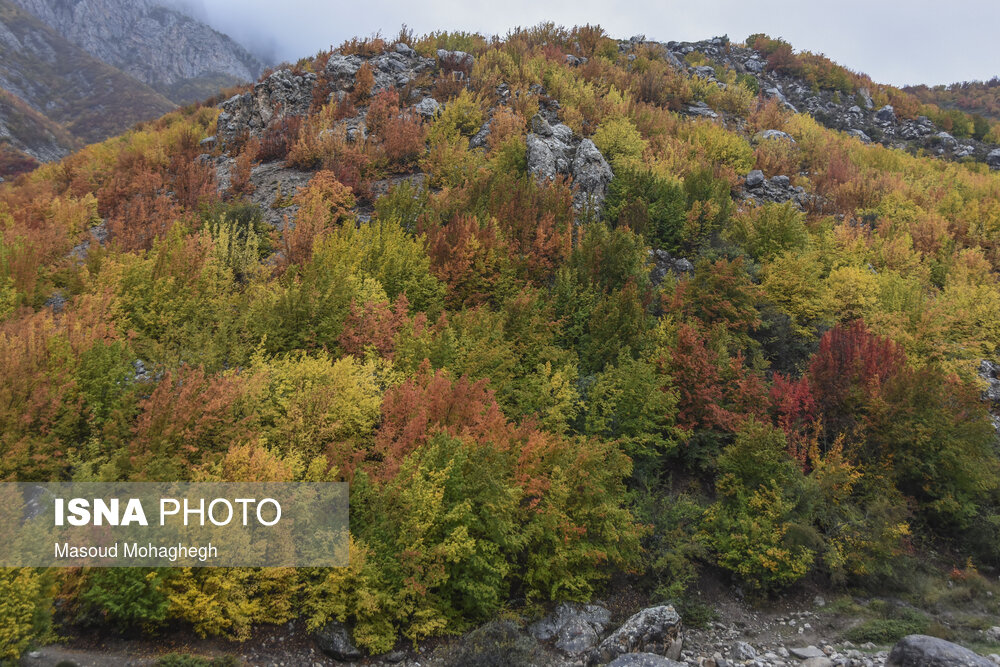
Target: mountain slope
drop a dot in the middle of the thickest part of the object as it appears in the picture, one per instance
(180, 57)
(27, 131)
(91, 99)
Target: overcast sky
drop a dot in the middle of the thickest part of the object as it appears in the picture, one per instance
(895, 41)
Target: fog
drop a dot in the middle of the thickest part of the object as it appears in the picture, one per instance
(895, 41)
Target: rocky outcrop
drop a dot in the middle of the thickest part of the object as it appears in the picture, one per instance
(651, 630)
(279, 95)
(777, 189)
(182, 58)
(855, 114)
(573, 628)
(394, 68)
(553, 150)
(662, 263)
(924, 651)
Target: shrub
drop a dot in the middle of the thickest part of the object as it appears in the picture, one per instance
(124, 598)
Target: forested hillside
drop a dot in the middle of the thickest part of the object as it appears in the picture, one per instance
(567, 312)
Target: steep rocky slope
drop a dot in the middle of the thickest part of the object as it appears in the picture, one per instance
(180, 57)
(30, 133)
(90, 99)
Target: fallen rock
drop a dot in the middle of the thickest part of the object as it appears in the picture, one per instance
(807, 652)
(755, 178)
(335, 641)
(576, 628)
(924, 651)
(652, 629)
(743, 651)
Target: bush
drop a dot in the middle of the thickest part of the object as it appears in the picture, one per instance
(124, 598)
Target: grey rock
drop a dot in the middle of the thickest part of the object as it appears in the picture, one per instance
(773, 134)
(754, 65)
(701, 109)
(780, 181)
(208, 142)
(924, 651)
(404, 49)
(743, 651)
(56, 302)
(651, 629)
(575, 61)
(993, 634)
(993, 158)
(866, 98)
(427, 107)
(279, 95)
(946, 138)
(335, 641)
(575, 628)
(705, 71)
(563, 133)
(886, 114)
(480, 138)
(541, 158)
(643, 660)
(456, 58)
(755, 178)
(540, 126)
(865, 139)
(591, 173)
(806, 652)
(341, 69)
(989, 372)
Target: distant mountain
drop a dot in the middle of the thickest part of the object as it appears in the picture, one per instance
(42, 71)
(180, 57)
(30, 134)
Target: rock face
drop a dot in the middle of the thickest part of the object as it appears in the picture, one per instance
(390, 69)
(653, 629)
(180, 57)
(553, 150)
(574, 628)
(335, 641)
(279, 95)
(44, 76)
(777, 189)
(924, 651)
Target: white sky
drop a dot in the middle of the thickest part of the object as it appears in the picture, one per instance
(895, 41)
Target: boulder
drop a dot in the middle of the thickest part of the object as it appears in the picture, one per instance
(773, 134)
(574, 628)
(807, 652)
(755, 178)
(886, 114)
(404, 49)
(652, 629)
(427, 107)
(662, 263)
(643, 660)
(924, 651)
(335, 641)
(993, 158)
(865, 139)
(743, 651)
